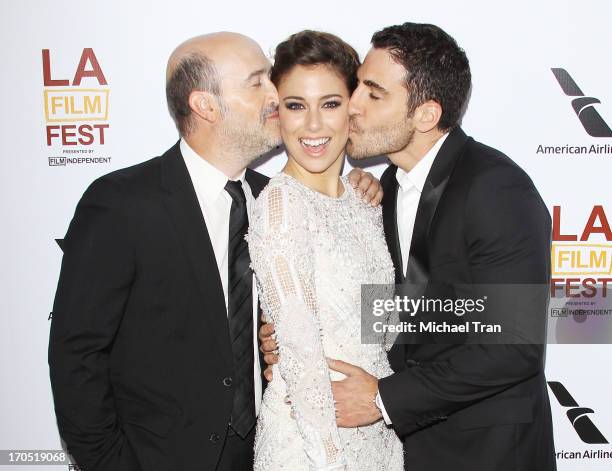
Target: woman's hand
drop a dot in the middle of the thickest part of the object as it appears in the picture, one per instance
(268, 347)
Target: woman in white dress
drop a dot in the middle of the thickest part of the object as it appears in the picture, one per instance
(313, 243)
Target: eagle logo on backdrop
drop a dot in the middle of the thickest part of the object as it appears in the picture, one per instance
(584, 427)
(591, 120)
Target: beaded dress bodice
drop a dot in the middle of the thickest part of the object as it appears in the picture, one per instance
(311, 253)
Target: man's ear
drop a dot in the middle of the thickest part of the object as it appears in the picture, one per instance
(205, 105)
(427, 116)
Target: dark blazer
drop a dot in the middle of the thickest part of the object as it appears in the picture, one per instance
(480, 220)
(139, 345)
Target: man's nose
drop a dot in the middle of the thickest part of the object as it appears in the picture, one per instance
(272, 92)
(354, 106)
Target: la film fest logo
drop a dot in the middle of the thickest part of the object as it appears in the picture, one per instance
(582, 260)
(76, 111)
(588, 116)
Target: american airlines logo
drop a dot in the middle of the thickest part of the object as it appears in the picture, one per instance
(584, 427)
(591, 120)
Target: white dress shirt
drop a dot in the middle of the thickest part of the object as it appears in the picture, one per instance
(408, 195)
(215, 203)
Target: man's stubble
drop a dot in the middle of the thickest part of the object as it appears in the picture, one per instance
(382, 140)
(247, 139)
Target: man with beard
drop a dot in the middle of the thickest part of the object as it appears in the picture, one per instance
(455, 212)
(153, 353)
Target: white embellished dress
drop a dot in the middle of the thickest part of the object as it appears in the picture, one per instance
(311, 253)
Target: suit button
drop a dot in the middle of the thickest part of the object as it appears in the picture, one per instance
(214, 437)
(227, 382)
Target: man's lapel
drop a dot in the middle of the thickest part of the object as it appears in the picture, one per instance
(256, 181)
(180, 199)
(417, 270)
(390, 187)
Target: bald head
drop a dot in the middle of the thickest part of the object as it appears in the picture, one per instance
(214, 46)
(201, 64)
(221, 98)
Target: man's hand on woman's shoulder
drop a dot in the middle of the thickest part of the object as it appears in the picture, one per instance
(366, 185)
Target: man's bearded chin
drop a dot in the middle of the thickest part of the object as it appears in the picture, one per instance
(249, 139)
(271, 128)
(382, 140)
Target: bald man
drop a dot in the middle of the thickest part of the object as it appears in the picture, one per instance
(153, 354)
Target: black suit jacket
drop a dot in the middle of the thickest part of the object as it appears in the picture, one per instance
(139, 344)
(480, 220)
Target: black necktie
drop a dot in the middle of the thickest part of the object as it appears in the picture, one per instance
(240, 312)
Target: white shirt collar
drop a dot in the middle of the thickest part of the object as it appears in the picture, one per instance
(418, 175)
(207, 178)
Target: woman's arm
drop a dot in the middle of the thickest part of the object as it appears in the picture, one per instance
(282, 258)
